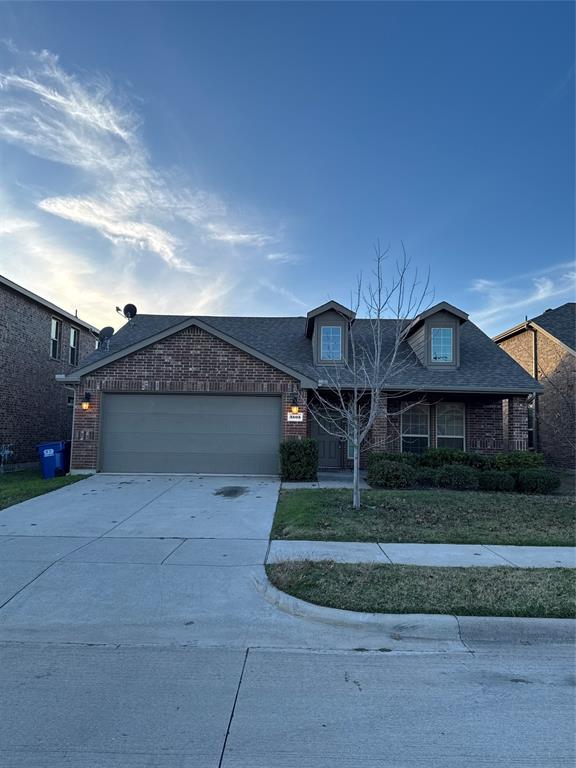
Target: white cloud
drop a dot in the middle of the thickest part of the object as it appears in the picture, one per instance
(506, 301)
(279, 290)
(11, 225)
(85, 125)
(221, 233)
(282, 258)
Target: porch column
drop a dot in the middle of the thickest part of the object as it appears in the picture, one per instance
(380, 436)
(516, 426)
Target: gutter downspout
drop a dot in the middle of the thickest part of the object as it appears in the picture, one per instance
(529, 326)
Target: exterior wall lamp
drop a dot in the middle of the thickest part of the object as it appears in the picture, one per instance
(294, 408)
(86, 401)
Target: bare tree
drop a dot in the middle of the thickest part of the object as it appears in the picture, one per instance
(350, 399)
(556, 406)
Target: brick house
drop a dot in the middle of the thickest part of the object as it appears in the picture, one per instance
(217, 394)
(37, 341)
(546, 348)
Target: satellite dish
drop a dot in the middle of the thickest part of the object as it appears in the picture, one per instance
(106, 333)
(129, 311)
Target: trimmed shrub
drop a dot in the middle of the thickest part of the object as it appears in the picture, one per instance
(403, 458)
(496, 480)
(426, 477)
(390, 474)
(537, 481)
(299, 460)
(459, 477)
(439, 457)
(517, 460)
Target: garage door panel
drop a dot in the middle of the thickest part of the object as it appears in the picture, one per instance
(190, 433)
(246, 464)
(185, 424)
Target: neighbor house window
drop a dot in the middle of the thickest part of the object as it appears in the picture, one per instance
(70, 401)
(74, 336)
(55, 338)
(416, 429)
(531, 423)
(450, 426)
(331, 342)
(441, 345)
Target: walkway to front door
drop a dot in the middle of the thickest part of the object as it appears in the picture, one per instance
(330, 448)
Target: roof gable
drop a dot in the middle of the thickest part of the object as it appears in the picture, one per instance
(331, 305)
(45, 303)
(134, 341)
(559, 323)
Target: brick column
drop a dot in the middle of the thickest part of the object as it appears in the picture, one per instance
(379, 436)
(517, 423)
(85, 431)
(297, 429)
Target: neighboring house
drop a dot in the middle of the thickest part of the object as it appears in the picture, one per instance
(37, 341)
(217, 394)
(546, 347)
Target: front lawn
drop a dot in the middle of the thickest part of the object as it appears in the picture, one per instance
(533, 592)
(19, 486)
(431, 516)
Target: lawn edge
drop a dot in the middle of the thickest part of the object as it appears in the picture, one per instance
(435, 627)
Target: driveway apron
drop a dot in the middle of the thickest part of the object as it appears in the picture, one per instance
(169, 560)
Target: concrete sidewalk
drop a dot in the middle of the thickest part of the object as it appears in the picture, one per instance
(451, 555)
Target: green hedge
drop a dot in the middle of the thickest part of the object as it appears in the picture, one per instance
(522, 471)
(517, 460)
(537, 481)
(390, 474)
(459, 477)
(496, 480)
(299, 460)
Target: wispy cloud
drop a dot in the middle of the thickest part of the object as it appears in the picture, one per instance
(11, 225)
(279, 290)
(281, 257)
(111, 185)
(506, 301)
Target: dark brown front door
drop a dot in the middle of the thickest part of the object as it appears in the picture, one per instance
(329, 447)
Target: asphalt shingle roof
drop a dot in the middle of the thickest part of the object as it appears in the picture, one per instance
(483, 365)
(560, 322)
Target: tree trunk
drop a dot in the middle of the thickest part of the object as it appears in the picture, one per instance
(356, 484)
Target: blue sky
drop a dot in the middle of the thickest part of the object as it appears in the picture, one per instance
(242, 158)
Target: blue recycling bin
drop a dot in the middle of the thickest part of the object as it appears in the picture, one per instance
(52, 459)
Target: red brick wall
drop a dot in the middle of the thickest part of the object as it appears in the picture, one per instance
(484, 426)
(33, 405)
(191, 360)
(555, 411)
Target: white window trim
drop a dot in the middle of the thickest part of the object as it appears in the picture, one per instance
(59, 340)
(452, 355)
(463, 435)
(77, 347)
(331, 359)
(425, 405)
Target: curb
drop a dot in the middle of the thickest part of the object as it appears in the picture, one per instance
(474, 633)
(419, 626)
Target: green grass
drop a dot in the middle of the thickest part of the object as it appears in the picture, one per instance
(534, 592)
(19, 486)
(431, 516)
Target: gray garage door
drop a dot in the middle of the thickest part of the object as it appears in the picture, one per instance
(190, 433)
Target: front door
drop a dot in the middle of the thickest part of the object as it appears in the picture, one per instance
(329, 446)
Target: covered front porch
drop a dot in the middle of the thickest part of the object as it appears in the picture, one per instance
(482, 423)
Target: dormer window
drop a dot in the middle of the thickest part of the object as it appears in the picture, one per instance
(442, 345)
(331, 343)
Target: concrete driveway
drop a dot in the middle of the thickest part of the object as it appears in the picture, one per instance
(132, 635)
(155, 560)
